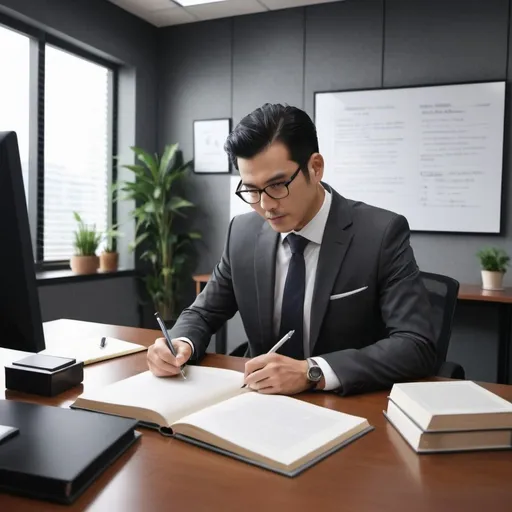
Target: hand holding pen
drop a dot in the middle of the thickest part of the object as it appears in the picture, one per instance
(278, 345)
(165, 355)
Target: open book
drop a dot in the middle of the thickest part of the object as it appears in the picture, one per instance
(211, 410)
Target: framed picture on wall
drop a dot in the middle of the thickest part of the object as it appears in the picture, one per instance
(209, 138)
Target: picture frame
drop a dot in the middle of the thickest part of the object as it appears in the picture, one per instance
(209, 136)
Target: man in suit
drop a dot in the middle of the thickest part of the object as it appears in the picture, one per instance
(338, 272)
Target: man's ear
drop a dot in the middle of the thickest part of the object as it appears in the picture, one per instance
(316, 167)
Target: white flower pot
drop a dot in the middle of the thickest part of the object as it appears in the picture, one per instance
(492, 280)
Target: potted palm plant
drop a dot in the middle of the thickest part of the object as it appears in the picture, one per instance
(494, 262)
(164, 250)
(86, 242)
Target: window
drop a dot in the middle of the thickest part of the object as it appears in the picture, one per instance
(61, 102)
(14, 91)
(77, 147)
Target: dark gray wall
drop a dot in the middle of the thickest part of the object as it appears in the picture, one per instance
(228, 67)
(110, 301)
(195, 65)
(103, 28)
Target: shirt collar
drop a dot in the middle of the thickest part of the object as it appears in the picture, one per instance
(314, 229)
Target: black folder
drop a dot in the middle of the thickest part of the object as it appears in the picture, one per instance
(58, 452)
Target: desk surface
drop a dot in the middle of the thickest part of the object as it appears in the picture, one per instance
(378, 472)
(475, 292)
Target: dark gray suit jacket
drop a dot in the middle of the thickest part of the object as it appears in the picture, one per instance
(371, 339)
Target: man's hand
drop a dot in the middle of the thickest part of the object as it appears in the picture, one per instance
(162, 363)
(276, 374)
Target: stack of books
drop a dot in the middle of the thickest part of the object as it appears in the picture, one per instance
(448, 416)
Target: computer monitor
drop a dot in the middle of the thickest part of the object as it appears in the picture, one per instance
(21, 326)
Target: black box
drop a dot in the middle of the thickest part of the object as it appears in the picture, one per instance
(35, 374)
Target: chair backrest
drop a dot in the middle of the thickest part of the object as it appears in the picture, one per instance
(443, 292)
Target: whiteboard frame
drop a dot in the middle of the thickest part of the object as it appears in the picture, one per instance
(504, 159)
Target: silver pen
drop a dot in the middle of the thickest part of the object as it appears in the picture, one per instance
(281, 342)
(168, 340)
(278, 345)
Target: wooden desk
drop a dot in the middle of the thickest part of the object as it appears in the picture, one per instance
(221, 336)
(378, 472)
(503, 300)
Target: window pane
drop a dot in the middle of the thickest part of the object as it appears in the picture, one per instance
(76, 149)
(14, 91)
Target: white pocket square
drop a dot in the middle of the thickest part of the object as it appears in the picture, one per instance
(346, 294)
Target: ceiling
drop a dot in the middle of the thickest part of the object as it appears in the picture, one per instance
(163, 13)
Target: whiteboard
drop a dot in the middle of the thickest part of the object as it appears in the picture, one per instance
(433, 154)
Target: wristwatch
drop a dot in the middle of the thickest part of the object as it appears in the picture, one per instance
(314, 373)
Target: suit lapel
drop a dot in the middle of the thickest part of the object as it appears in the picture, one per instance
(265, 272)
(335, 243)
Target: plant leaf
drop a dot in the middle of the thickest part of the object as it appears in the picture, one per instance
(176, 203)
(148, 160)
(168, 155)
(166, 271)
(138, 240)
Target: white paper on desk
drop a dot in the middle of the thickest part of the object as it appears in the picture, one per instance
(88, 349)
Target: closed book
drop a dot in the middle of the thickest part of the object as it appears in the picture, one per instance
(57, 452)
(452, 405)
(209, 409)
(451, 441)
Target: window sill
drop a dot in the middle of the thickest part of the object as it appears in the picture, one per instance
(48, 277)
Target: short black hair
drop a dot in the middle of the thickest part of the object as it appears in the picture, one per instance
(274, 123)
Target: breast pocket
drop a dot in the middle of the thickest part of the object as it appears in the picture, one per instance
(338, 296)
(350, 309)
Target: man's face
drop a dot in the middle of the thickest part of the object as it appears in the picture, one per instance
(271, 168)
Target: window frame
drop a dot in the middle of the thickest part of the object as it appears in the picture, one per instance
(39, 38)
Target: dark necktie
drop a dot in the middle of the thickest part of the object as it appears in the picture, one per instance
(292, 312)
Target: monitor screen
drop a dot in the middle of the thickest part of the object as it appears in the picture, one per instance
(21, 325)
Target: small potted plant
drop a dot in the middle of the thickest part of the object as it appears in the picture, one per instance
(494, 262)
(86, 243)
(109, 257)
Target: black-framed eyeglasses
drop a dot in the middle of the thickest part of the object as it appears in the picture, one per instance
(277, 190)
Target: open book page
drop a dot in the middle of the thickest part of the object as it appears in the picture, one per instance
(88, 349)
(163, 400)
(277, 428)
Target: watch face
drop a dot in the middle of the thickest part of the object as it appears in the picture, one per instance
(315, 373)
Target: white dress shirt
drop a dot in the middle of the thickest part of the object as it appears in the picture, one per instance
(314, 232)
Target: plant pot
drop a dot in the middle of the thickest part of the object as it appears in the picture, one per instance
(492, 280)
(109, 261)
(84, 264)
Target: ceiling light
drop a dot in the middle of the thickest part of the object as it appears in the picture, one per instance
(188, 3)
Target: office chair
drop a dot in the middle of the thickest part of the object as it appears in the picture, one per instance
(443, 292)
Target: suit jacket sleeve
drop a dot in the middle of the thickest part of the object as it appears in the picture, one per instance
(409, 350)
(212, 308)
